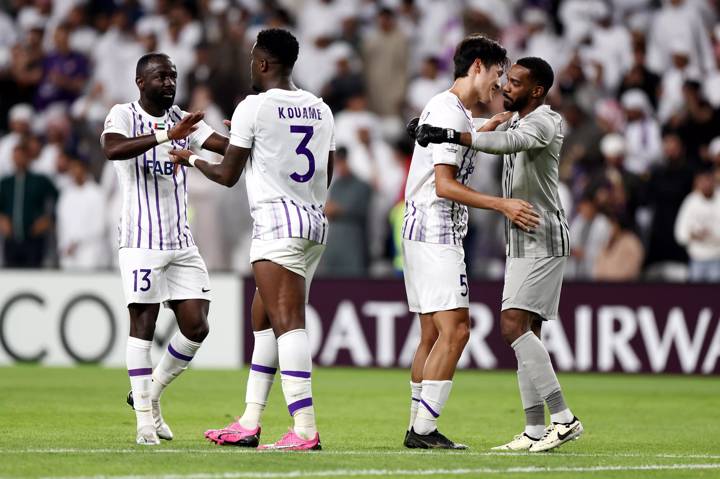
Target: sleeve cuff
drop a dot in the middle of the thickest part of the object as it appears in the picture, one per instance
(115, 130)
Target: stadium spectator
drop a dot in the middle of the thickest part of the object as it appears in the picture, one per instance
(673, 79)
(639, 76)
(58, 131)
(610, 49)
(668, 186)
(679, 22)
(27, 202)
(696, 123)
(385, 53)
(698, 228)
(347, 82)
(621, 258)
(625, 189)
(589, 233)
(429, 83)
(20, 119)
(714, 157)
(643, 144)
(64, 72)
(81, 220)
(347, 211)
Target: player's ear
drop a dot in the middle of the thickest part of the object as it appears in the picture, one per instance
(139, 82)
(537, 91)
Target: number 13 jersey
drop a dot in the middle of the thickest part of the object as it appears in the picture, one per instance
(290, 133)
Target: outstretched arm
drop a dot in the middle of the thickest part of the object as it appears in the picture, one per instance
(531, 135)
(226, 173)
(119, 147)
(518, 211)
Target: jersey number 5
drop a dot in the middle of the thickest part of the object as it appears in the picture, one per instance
(303, 150)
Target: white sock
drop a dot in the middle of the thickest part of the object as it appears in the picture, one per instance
(174, 361)
(535, 431)
(433, 397)
(563, 417)
(139, 366)
(415, 390)
(263, 366)
(295, 368)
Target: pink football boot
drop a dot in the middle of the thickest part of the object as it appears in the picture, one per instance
(234, 435)
(293, 442)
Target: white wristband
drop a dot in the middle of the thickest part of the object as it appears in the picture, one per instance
(161, 136)
(192, 159)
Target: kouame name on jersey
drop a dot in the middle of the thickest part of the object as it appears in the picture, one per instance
(291, 135)
(154, 212)
(428, 217)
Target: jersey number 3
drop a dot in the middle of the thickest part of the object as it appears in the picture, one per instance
(303, 150)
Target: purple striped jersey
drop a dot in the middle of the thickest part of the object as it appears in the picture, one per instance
(291, 135)
(428, 217)
(154, 212)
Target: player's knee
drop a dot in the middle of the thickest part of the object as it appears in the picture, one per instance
(462, 334)
(197, 332)
(511, 326)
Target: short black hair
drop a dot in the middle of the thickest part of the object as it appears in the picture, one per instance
(540, 72)
(475, 47)
(146, 60)
(280, 44)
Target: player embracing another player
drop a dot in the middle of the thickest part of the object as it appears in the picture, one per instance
(283, 138)
(530, 143)
(159, 262)
(436, 213)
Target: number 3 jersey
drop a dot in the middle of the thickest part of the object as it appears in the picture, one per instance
(291, 135)
(154, 211)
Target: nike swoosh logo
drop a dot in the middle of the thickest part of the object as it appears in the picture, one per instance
(204, 290)
(562, 437)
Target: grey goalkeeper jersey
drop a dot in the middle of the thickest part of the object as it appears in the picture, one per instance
(531, 153)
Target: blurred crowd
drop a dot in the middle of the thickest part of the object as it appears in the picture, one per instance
(637, 82)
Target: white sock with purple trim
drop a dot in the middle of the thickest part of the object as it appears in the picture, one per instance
(433, 397)
(415, 391)
(174, 361)
(295, 370)
(139, 366)
(263, 366)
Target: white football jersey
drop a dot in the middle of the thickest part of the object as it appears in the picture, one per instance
(154, 211)
(428, 217)
(291, 135)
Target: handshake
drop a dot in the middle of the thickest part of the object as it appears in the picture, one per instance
(426, 134)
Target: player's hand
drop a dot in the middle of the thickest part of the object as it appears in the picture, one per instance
(185, 126)
(496, 120)
(521, 213)
(426, 134)
(180, 157)
(412, 126)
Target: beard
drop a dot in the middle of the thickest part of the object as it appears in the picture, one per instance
(514, 105)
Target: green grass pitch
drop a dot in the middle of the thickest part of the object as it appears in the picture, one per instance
(75, 423)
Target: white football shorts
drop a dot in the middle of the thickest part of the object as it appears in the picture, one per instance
(435, 277)
(534, 284)
(299, 255)
(158, 276)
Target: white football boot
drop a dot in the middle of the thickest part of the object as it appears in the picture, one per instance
(521, 442)
(161, 427)
(146, 436)
(558, 434)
